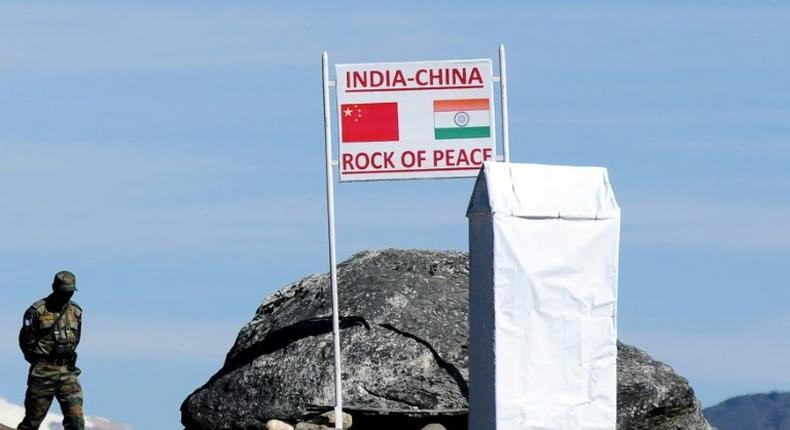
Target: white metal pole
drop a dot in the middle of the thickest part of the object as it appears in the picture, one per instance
(503, 100)
(330, 210)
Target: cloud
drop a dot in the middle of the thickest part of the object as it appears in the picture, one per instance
(753, 353)
(126, 198)
(11, 415)
(752, 118)
(91, 37)
(63, 35)
(209, 35)
(158, 339)
(758, 147)
(142, 337)
(141, 200)
(670, 221)
(184, 228)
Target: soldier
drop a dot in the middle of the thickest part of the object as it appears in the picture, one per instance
(49, 337)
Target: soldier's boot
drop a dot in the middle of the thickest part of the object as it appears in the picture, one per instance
(37, 403)
(69, 396)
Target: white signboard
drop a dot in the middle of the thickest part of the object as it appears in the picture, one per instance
(415, 120)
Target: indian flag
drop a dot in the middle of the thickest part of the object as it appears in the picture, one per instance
(461, 119)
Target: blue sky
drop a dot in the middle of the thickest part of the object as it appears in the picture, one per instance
(172, 156)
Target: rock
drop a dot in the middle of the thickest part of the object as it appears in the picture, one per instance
(278, 425)
(401, 352)
(328, 419)
(404, 351)
(311, 426)
(434, 427)
(651, 396)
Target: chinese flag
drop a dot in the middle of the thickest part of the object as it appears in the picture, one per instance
(369, 122)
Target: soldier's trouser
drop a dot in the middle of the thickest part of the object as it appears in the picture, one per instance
(46, 381)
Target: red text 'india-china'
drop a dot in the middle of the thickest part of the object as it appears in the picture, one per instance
(422, 79)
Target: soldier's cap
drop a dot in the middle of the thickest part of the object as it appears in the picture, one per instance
(65, 281)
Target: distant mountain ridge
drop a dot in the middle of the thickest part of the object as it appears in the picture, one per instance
(769, 411)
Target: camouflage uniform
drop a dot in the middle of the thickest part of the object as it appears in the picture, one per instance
(49, 339)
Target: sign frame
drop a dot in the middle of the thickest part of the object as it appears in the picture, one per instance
(330, 205)
(415, 120)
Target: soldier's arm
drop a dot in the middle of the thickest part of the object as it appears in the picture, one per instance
(79, 329)
(27, 334)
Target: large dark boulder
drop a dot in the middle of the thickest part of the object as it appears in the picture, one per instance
(404, 350)
(651, 396)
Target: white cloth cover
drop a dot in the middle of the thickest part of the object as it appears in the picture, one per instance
(544, 245)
